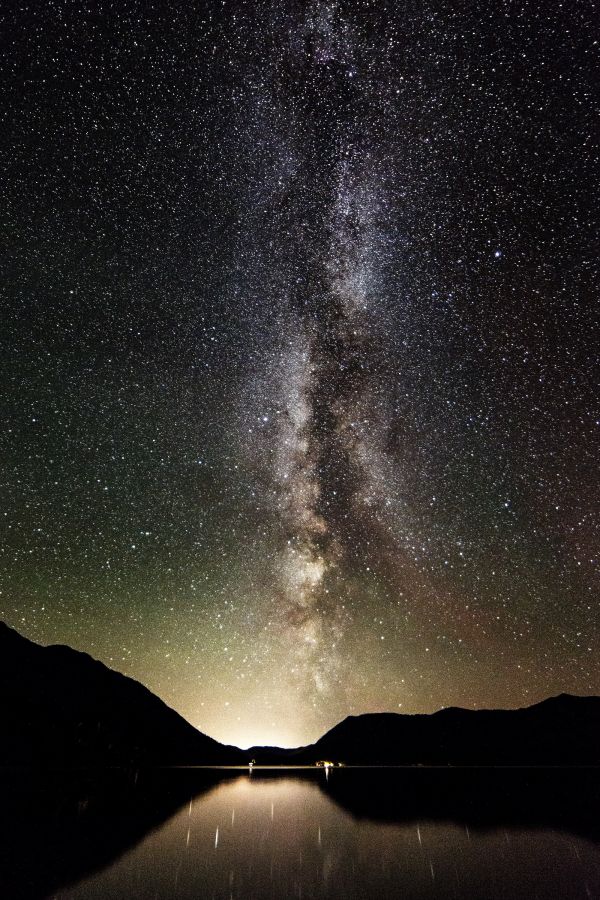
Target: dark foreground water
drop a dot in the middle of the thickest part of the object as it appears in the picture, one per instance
(412, 833)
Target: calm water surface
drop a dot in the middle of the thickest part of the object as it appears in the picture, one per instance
(290, 836)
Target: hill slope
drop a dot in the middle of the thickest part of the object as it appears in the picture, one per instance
(61, 707)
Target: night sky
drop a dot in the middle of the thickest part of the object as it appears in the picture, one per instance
(298, 351)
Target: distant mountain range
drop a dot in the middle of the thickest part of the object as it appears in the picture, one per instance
(62, 708)
(563, 730)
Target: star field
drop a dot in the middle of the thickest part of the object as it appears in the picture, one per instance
(299, 352)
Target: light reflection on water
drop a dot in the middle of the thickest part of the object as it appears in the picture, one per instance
(283, 837)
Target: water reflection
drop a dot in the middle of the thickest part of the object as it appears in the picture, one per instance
(57, 827)
(373, 833)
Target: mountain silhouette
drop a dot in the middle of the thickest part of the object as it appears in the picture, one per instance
(63, 708)
(560, 731)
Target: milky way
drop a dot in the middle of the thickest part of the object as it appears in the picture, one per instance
(299, 352)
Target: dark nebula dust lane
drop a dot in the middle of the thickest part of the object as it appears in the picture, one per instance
(299, 352)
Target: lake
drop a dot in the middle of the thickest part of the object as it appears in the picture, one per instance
(305, 834)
